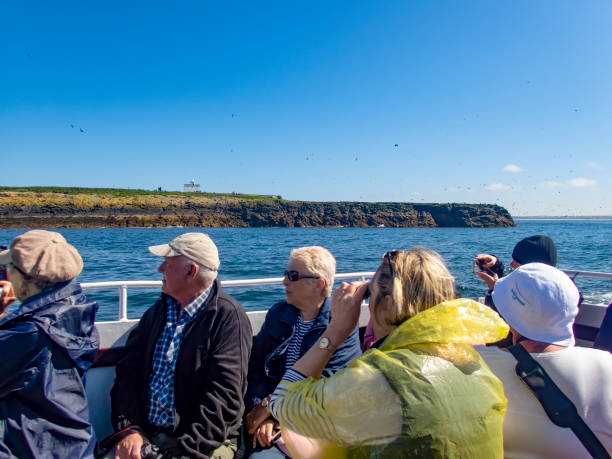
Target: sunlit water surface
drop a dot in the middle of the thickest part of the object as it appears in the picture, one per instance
(246, 253)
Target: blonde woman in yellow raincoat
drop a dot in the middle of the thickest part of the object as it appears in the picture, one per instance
(421, 391)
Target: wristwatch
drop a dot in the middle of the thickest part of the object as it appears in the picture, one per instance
(325, 343)
(265, 402)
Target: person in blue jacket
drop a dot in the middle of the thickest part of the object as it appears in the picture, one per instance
(47, 345)
(290, 329)
(603, 340)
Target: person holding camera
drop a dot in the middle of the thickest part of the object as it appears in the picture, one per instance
(47, 345)
(420, 391)
(532, 249)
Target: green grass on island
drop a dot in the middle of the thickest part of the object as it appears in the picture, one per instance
(127, 192)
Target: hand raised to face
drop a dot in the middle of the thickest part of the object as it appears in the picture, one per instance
(346, 305)
(7, 295)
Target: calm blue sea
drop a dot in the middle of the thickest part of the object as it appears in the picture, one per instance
(121, 254)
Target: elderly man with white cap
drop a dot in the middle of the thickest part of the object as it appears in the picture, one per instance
(179, 389)
(540, 303)
(47, 345)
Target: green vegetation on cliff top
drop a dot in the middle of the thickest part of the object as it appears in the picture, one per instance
(95, 207)
(133, 192)
(126, 192)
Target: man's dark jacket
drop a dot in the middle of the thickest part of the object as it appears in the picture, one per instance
(267, 364)
(209, 378)
(46, 347)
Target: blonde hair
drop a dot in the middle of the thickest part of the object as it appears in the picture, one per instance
(318, 261)
(420, 280)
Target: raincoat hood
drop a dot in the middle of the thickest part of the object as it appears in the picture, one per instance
(457, 321)
(72, 328)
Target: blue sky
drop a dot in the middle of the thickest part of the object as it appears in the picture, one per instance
(506, 102)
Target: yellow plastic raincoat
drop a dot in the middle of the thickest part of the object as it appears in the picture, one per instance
(425, 392)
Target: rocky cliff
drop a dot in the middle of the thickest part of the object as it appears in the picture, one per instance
(51, 209)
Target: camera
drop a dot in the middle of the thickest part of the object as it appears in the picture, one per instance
(3, 275)
(477, 268)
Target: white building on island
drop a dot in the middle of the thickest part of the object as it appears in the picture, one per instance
(192, 187)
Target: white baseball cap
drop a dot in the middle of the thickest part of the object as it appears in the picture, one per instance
(198, 247)
(540, 302)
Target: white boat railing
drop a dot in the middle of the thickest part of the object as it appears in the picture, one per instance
(122, 286)
(594, 274)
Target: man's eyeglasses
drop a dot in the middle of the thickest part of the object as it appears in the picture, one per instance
(294, 276)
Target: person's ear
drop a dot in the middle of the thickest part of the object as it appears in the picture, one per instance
(388, 302)
(321, 283)
(192, 270)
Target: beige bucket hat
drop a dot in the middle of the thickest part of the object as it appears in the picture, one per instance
(44, 255)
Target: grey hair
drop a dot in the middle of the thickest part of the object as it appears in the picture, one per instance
(318, 261)
(205, 274)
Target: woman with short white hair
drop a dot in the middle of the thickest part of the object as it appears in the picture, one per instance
(290, 329)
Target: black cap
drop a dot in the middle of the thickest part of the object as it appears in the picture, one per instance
(535, 249)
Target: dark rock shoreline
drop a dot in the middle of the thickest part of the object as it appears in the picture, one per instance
(62, 211)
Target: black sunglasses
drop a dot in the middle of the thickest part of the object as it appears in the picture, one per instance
(388, 255)
(294, 276)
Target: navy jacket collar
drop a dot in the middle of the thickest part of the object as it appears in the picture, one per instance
(289, 315)
(50, 295)
(65, 315)
(53, 294)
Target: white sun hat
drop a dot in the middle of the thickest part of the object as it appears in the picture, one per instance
(540, 302)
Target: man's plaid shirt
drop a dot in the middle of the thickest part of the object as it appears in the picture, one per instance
(161, 379)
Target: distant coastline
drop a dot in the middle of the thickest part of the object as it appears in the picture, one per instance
(109, 207)
(585, 217)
